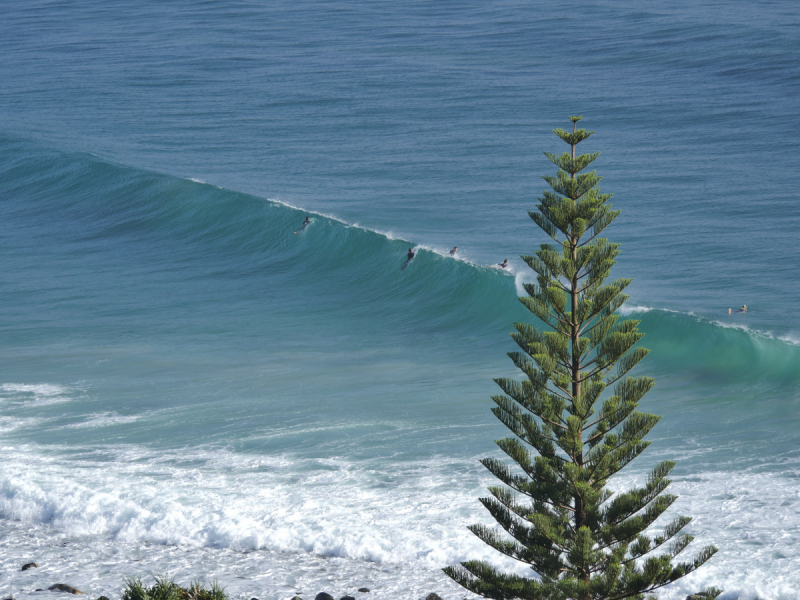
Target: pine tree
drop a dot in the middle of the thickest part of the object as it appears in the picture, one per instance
(584, 542)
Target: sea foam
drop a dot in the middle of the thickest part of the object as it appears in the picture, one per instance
(412, 520)
(38, 394)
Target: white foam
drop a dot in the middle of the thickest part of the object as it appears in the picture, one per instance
(105, 419)
(8, 424)
(40, 389)
(404, 518)
(331, 511)
(626, 310)
(522, 278)
(790, 338)
(39, 394)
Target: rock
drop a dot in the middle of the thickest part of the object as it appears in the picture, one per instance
(297, 598)
(29, 566)
(63, 587)
(102, 598)
(347, 598)
(9, 598)
(433, 596)
(323, 596)
(363, 590)
(38, 590)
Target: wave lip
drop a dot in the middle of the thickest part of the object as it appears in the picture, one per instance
(790, 338)
(625, 310)
(462, 255)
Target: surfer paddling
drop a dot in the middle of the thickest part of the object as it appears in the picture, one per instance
(411, 254)
(453, 251)
(304, 225)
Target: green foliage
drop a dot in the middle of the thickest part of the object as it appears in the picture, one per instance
(167, 589)
(575, 420)
(709, 594)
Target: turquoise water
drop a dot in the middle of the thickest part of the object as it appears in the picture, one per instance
(188, 388)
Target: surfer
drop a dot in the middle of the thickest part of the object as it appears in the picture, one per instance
(409, 256)
(729, 310)
(304, 225)
(453, 251)
(503, 264)
(744, 308)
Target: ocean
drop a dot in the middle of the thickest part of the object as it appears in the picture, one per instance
(188, 389)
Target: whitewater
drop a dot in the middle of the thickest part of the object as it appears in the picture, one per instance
(189, 389)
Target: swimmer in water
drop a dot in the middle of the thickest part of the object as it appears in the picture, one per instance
(729, 311)
(409, 256)
(744, 308)
(503, 264)
(304, 225)
(453, 251)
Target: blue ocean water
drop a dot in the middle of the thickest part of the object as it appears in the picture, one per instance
(189, 388)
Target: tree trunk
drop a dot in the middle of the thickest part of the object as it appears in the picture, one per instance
(580, 514)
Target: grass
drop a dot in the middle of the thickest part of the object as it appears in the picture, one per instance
(167, 589)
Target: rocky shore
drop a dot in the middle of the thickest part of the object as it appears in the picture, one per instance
(163, 589)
